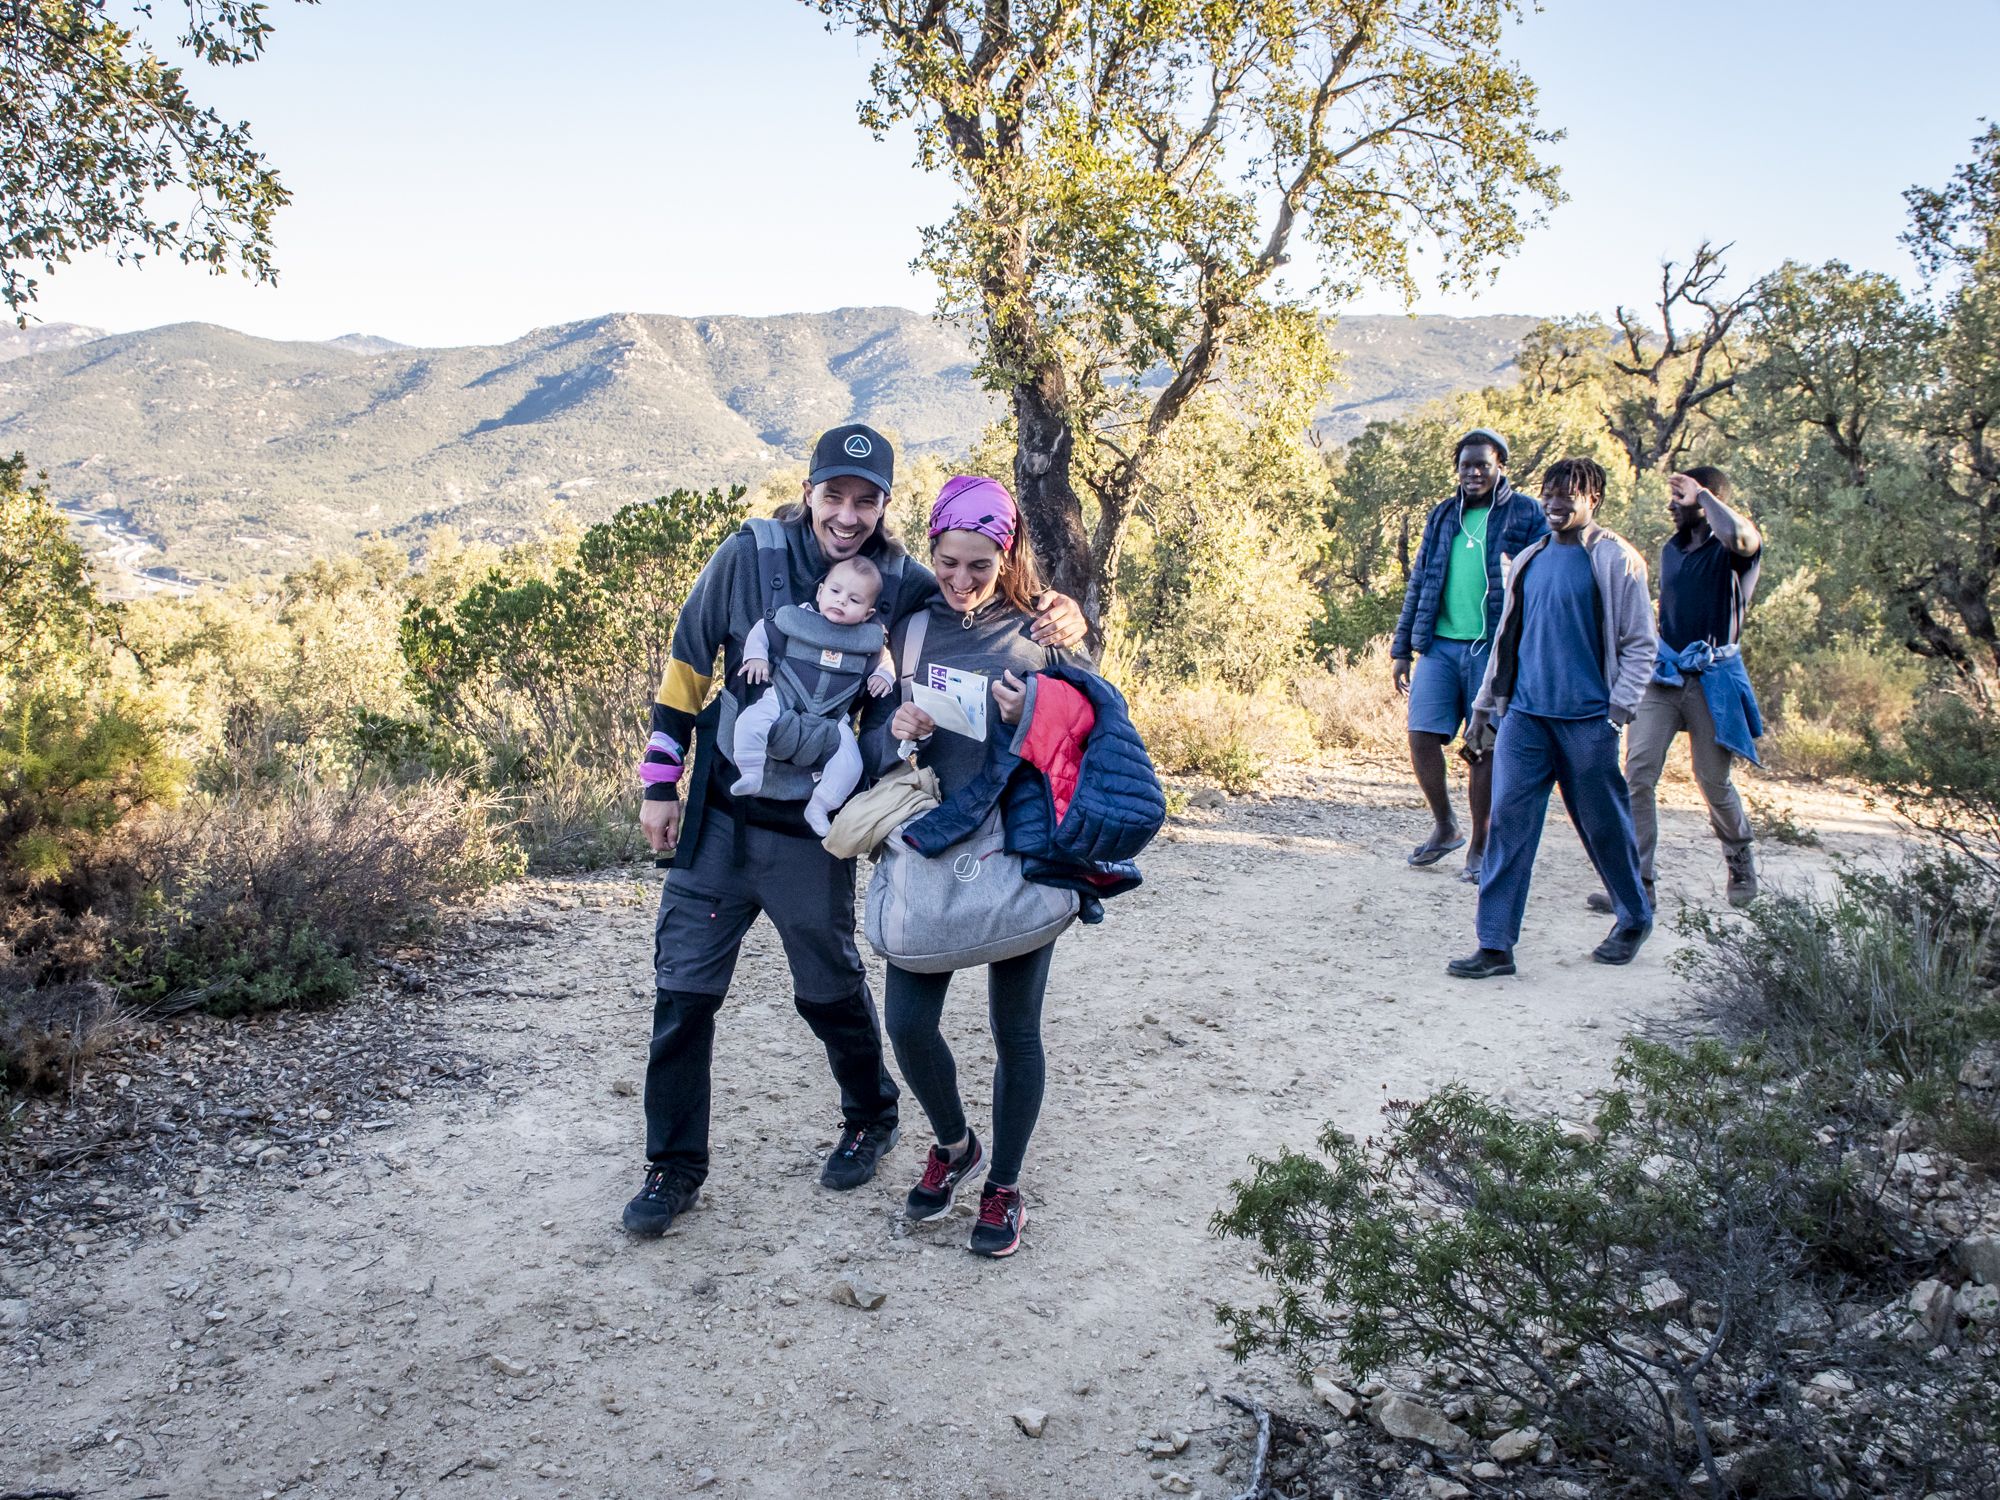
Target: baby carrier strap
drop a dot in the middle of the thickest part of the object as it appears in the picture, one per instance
(774, 568)
(913, 649)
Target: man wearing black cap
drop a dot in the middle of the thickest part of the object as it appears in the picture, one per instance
(736, 857)
(1450, 609)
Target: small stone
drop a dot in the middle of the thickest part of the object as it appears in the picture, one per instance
(788, 1299)
(1442, 1488)
(1208, 798)
(1488, 1471)
(703, 1478)
(1827, 1387)
(14, 1313)
(513, 1369)
(1174, 1482)
(1577, 1130)
(1662, 1294)
(1978, 1304)
(1031, 1420)
(1931, 1302)
(1980, 1255)
(1080, 1387)
(1344, 1402)
(272, 1156)
(1515, 1444)
(847, 1294)
(1171, 1444)
(485, 1459)
(625, 1088)
(1412, 1421)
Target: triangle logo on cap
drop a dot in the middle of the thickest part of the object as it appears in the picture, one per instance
(858, 446)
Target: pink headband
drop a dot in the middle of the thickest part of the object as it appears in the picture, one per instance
(969, 503)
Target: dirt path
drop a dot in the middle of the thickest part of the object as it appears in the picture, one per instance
(451, 1308)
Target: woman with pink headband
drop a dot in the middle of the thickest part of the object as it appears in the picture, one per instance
(977, 648)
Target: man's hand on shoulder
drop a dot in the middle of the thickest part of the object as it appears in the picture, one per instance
(1059, 622)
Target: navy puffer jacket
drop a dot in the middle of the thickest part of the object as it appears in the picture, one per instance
(1514, 521)
(1116, 808)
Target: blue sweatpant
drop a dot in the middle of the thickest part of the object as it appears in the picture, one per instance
(1532, 755)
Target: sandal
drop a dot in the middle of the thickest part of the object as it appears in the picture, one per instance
(1428, 853)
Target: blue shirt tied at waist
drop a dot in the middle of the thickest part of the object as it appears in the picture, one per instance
(1732, 702)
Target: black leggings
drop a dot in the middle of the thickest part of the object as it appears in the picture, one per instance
(1014, 989)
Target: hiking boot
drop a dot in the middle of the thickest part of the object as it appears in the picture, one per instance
(1742, 878)
(663, 1199)
(1600, 901)
(853, 1160)
(1623, 944)
(1002, 1217)
(1485, 964)
(931, 1198)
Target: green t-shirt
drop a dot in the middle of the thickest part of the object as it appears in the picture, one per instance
(1462, 615)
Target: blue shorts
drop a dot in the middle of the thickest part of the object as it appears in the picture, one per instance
(1445, 682)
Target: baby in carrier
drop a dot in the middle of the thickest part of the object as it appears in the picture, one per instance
(816, 657)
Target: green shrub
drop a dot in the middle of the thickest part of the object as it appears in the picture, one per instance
(1798, 746)
(1945, 776)
(1648, 1294)
(1873, 996)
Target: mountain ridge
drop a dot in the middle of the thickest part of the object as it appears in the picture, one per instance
(197, 451)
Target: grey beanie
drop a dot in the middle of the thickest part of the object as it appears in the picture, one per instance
(1482, 435)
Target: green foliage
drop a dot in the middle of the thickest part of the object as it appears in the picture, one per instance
(96, 127)
(1533, 1259)
(1104, 226)
(1875, 993)
(1213, 586)
(537, 664)
(1232, 738)
(1945, 776)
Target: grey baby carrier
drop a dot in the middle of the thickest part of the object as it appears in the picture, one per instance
(814, 663)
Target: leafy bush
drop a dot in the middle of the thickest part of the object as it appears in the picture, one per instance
(1945, 777)
(1875, 996)
(1654, 1298)
(1207, 731)
(255, 904)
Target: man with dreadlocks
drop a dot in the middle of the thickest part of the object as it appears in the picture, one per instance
(1571, 658)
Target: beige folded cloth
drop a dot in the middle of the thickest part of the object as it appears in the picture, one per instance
(869, 817)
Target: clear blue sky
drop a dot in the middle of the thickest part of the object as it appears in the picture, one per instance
(464, 172)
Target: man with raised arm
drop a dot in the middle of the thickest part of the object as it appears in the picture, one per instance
(1708, 574)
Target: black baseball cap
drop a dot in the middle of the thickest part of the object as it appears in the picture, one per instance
(855, 449)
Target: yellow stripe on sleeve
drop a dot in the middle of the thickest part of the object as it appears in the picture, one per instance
(684, 689)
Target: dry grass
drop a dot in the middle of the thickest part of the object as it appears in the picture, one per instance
(1230, 737)
(1353, 705)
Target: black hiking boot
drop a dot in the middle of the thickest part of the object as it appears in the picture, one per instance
(663, 1199)
(853, 1160)
(1623, 944)
(931, 1198)
(1742, 889)
(1487, 963)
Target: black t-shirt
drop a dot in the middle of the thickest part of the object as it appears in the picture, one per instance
(1704, 591)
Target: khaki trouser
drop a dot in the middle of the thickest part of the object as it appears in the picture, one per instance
(1663, 713)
